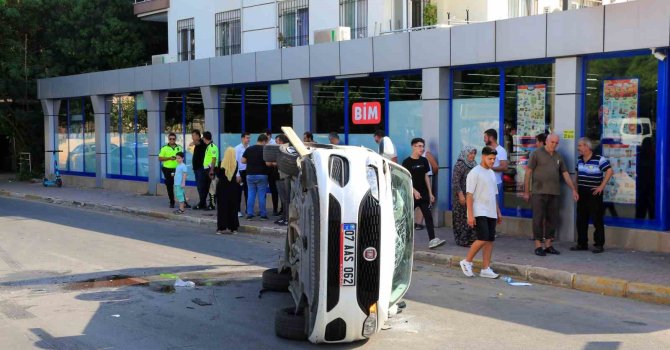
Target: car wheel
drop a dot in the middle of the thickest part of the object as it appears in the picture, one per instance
(289, 325)
(286, 162)
(270, 153)
(276, 281)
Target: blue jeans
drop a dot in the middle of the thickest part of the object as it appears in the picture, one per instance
(258, 184)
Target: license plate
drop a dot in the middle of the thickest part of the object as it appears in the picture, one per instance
(348, 255)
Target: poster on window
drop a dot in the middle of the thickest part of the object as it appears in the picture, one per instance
(620, 107)
(531, 109)
(623, 131)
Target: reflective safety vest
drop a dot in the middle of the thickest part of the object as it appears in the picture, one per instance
(167, 152)
(211, 154)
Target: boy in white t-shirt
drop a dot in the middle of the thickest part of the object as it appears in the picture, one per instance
(483, 212)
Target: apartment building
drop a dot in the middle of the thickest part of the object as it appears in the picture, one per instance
(246, 65)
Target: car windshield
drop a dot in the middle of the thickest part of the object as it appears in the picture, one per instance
(403, 214)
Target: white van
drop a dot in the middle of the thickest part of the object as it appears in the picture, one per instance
(349, 243)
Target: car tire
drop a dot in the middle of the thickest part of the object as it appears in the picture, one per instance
(270, 153)
(275, 281)
(286, 162)
(288, 325)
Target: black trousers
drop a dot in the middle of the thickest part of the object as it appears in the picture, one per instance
(427, 215)
(203, 187)
(168, 174)
(272, 180)
(591, 207)
(245, 189)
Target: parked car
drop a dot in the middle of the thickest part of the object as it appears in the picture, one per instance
(128, 159)
(349, 243)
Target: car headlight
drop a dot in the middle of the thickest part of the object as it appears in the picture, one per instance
(370, 324)
(371, 176)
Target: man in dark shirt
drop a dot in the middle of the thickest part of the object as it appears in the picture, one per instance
(257, 177)
(593, 173)
(423, 194)
(198, 149)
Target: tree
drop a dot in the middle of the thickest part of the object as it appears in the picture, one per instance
(429, 14)
(47, 38)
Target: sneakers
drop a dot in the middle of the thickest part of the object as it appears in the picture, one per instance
(250, 217)
(418, 227)
(435, 242)
(597, 249)
(264, 217)
(239, 214)
(578, 248)
(540, 252)
(466, 267)
(488, 273)
(281, 222)
(178, 212)
(187, 206)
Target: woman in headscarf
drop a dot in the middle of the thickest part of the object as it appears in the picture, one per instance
(227, 194)
(463, 233)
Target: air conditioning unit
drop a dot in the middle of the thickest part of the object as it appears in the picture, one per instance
(164, 58)
(332, 34)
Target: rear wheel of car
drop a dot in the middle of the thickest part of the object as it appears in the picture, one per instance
(286, 162)
(289, 325)
(270, 153)
(276, 281)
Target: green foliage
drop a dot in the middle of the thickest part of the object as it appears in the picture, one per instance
(429, 14)
(47, 38)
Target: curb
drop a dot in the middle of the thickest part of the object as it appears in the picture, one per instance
(646, 292)
(138, 211)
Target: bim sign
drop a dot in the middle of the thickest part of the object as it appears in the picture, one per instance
(366, 113)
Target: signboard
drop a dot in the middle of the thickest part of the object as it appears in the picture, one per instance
(568, 134)
(366, 113)
(531, 109)
(620, 140)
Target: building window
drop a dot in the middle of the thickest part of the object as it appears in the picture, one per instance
(328, 109)
(528, 111)
(228, 33)
(405, 112)
(184, 112)
(186, 39)
(127, 143)
(367, 110)
(76, 136)
(354, 14)
(253, 109)
(293, 23)
(622, 113)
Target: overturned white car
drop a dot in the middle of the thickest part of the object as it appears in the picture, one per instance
(349, 245)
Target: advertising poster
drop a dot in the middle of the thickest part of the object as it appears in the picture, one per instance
(531, 109)
(622, 133)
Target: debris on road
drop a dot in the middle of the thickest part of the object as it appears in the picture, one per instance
(200, 302)
(180, 283)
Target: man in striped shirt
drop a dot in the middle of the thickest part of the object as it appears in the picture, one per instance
(593, 172)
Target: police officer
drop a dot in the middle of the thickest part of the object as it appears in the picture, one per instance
(209, 163)
(168, 156)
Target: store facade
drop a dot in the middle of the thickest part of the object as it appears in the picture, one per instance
(520, 76)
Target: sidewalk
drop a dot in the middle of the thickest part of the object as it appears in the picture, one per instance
(636, 275)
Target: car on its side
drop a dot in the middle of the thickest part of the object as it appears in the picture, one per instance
(349, 242)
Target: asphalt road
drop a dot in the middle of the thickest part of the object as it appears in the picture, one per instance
(45, 250)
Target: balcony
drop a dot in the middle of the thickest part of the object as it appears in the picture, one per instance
(152, 10)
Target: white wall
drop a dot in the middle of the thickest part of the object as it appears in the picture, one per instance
(323, 14)
(496, 10)
(203, 12)
(259, 25)
(478, 9)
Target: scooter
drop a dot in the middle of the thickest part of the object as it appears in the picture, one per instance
(57, 181)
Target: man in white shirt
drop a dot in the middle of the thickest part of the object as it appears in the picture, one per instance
(483, 212)
(500, 165)
(242, 167)
(386, 147)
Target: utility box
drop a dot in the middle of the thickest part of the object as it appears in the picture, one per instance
(332, 34)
